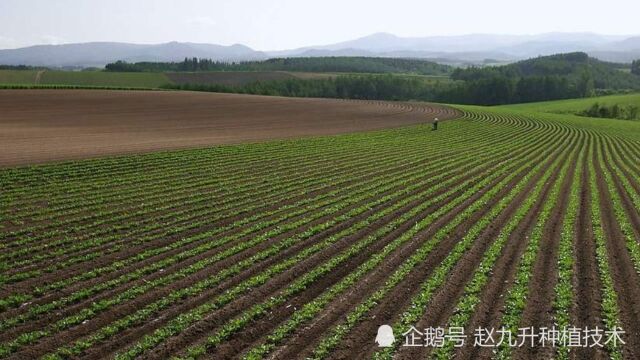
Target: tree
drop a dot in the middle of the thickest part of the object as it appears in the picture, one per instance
(585, 84)
(635, 67)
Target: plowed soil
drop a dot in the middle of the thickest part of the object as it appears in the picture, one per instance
(39, 126)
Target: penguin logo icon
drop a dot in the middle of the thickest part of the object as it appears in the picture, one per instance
(385, 336)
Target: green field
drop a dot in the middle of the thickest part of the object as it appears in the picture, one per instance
(18, 77)
(503, 218)
(157, 79)
(575, 105)
(83, 78)
(239, 78)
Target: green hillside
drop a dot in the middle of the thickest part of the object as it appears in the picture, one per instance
(618, 107)
(562, 76)
(311, 64)
(572, 106)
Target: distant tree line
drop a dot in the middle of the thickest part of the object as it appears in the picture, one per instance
(628, 112)
(554, 77)
(490, 90)
(307, 64)
(635, 67)
(364, 87)
(500, 89)
(563, 76)
(21, 67)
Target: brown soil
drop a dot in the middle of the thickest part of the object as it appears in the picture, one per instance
(539, 309)
(40, 126)
(588, 301)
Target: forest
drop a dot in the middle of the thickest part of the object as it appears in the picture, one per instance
(307, 64)
(363, 87)
(563, 76)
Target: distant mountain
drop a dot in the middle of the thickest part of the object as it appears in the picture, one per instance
(101, 53)
(476, 48)
(454, 50)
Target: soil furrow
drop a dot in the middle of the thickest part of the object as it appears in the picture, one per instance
(586, 280)
(625, 278)
(359, 341)
(539, 310)
(161, 319)
(444, 302)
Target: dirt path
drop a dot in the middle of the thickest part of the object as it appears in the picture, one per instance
(38, 77)
(40, 126)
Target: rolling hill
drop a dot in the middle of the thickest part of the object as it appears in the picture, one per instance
(453, 50)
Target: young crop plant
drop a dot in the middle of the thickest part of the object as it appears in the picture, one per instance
(564, 292)
(515, 302)
(300, 248)
(473, 290)
(610, 310)
(427, 289)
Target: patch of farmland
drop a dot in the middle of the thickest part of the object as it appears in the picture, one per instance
(83, 78)
(303, 248)
(18, 77)
(103, 78)
(48, 125)
(576, 105)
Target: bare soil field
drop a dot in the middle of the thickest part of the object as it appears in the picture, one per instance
(39, 126)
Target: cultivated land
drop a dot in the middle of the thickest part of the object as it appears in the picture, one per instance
(82, 78)
(154, 80)
(45, 125)
(573, 106)
(237, 78)
(302, 248)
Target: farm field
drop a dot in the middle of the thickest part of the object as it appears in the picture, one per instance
(237, 78)
(83, 78)
(154, 80)
(573, 106)
(302, 248)
(45, 125)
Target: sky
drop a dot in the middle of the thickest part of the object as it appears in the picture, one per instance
(287, 24)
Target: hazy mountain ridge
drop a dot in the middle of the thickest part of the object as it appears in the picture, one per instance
(473, 48)
(477, 47)
(101, 53)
